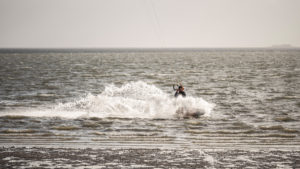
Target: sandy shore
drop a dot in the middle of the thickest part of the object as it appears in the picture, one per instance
(39, 157)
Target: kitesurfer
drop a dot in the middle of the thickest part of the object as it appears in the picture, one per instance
(179, 91)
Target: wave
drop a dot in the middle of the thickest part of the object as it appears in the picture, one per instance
(132, 100)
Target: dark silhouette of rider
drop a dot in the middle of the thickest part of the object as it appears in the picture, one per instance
(179, 91)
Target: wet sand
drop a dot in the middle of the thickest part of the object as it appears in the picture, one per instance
(39, 157)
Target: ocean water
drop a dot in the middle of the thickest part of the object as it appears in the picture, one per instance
(250, 99)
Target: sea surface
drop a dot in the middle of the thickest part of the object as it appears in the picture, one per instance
(250, 99)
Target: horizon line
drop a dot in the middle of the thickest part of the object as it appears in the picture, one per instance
(233, 47)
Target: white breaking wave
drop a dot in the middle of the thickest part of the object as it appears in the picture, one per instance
(132, 100)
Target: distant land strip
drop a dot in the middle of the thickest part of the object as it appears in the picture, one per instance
(104, 50)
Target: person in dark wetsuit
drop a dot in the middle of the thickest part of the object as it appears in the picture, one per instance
(184, 111)
(179, 91)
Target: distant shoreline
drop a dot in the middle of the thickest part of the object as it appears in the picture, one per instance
(103, 50)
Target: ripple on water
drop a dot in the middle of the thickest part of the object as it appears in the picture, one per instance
(280, 135)
(90, 124)
(278, 98)
(98, 133)
(65, 128)
(284, 119)
(195, 122)
(14, 117)
(276, 127)
(279, 128)
(8, 131)
(240, 126)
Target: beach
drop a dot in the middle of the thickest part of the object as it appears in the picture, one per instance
(38, 157)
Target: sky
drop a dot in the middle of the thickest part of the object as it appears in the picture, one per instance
(148, 23)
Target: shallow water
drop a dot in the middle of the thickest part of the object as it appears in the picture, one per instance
(250, 99)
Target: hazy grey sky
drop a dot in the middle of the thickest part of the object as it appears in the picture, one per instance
(149, 23)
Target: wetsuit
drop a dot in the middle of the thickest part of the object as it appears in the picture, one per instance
(182, 93)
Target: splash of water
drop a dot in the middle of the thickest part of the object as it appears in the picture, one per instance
(132, 100)
(137, 100)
